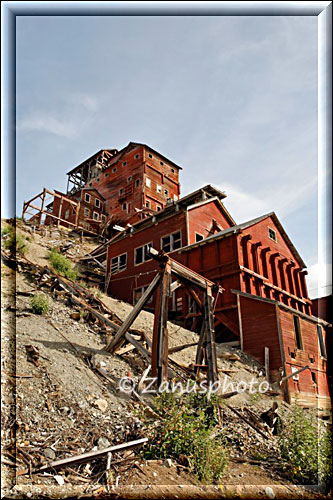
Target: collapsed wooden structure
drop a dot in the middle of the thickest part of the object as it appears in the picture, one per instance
(40, 210)
(206, 353)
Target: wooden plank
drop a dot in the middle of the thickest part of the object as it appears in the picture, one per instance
(160, 333)
(181, 347)
(248, 422)
(117, 340)
(267, 363)
(91, 455)
(210, 337)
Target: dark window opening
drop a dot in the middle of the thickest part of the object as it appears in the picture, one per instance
(297, 329)
(150, 155)
(314, 378)
(271, 234)
(136, 157)
(198, 237)
(322, 347)
(137, 183)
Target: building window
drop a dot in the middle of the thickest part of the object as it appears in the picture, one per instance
(293, 370)
(322, 347)
(161, 163)
(125, 207)
(98, 178)
(136, 157)
(124, 163)
(73, 211)
(95, 215)
(106, 175)
(97, 202)
(137, 183)
(158, 208)
(141, 254)
(90, 184)
(86, 212)
(121, 191)
(119, 263)
(159, 188)
(271, 234)
(138, 292)
(129, 178)
(87, 197)
(166, 192)
(198, 237)
(297, 329)
(147, 204)
(314, 378)
(148, 182)
(150, 155)
(175, 197)
(173, 170)
(66, 214)
(171, 242)
(103, 217)
(114, 170)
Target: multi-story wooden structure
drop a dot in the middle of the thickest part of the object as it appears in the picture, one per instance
(265, 304)
(135, 182)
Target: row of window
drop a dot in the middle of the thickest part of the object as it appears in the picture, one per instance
(87, 198)
(299, 340)
(160, 189)
(86, 214)
(169, 243)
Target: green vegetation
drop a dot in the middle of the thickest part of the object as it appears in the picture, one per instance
(13, 241)
(61, 264)
(184, 429)
(96, 291)
(40, 303)
(305, 448)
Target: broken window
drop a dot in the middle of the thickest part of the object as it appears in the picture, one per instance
(66, 214)
(148, 182)
(166, 192)
(141, 254)
(114, 170)
(95, 215)
(159, 188)
(137, 183)
(271, 234)
(147, 204)
(103, 217)
(125, 207)
(297, 329)
(121, 191)
(87, 197)
(171, 242)
(158, 208)
(136, 157)
(129, 178)
(86, 212)
(322, 346)
(314, 378)
(119, 263)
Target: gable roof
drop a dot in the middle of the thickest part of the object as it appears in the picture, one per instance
(239, 227)
(93, 189)
(208, 192)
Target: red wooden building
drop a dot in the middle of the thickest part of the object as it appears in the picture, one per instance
(265, 304)
(135, 181)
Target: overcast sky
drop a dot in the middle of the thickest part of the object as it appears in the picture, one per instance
(233, 100)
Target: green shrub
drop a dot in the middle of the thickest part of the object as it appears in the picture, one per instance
(62, 265)
(96, 291)
(12, 241)
(184, 429)
(305, 447)
(40, 304)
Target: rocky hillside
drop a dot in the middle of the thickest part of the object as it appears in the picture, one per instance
(61, 397)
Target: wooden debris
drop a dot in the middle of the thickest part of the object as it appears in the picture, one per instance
(248, 422)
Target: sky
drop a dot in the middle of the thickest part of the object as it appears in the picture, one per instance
(233, 100)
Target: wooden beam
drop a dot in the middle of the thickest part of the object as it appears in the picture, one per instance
(160, 332)
(118, 339)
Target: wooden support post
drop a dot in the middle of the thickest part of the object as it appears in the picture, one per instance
(77, 215)
(42, 207)
(210, 336)
(60, 209)
(119, 337)
(267, 363)
(160, 332)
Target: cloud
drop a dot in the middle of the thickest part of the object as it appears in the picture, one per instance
(88, 101)
(47, 122)
(319, 280)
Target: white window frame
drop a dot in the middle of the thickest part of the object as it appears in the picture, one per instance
(148, 182)
(136, 156)
(87, 197)
(293, 370)
(97, 214)
(149, 204)
(114, 170)
(121, 191)
(142, 290)
(145, 257)
(159, 189)
(269, 236)
(124, 163)
(67, 214)
(171, 236)
(115, 266)
(86, 212)
(129, 178)
(97, 203)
